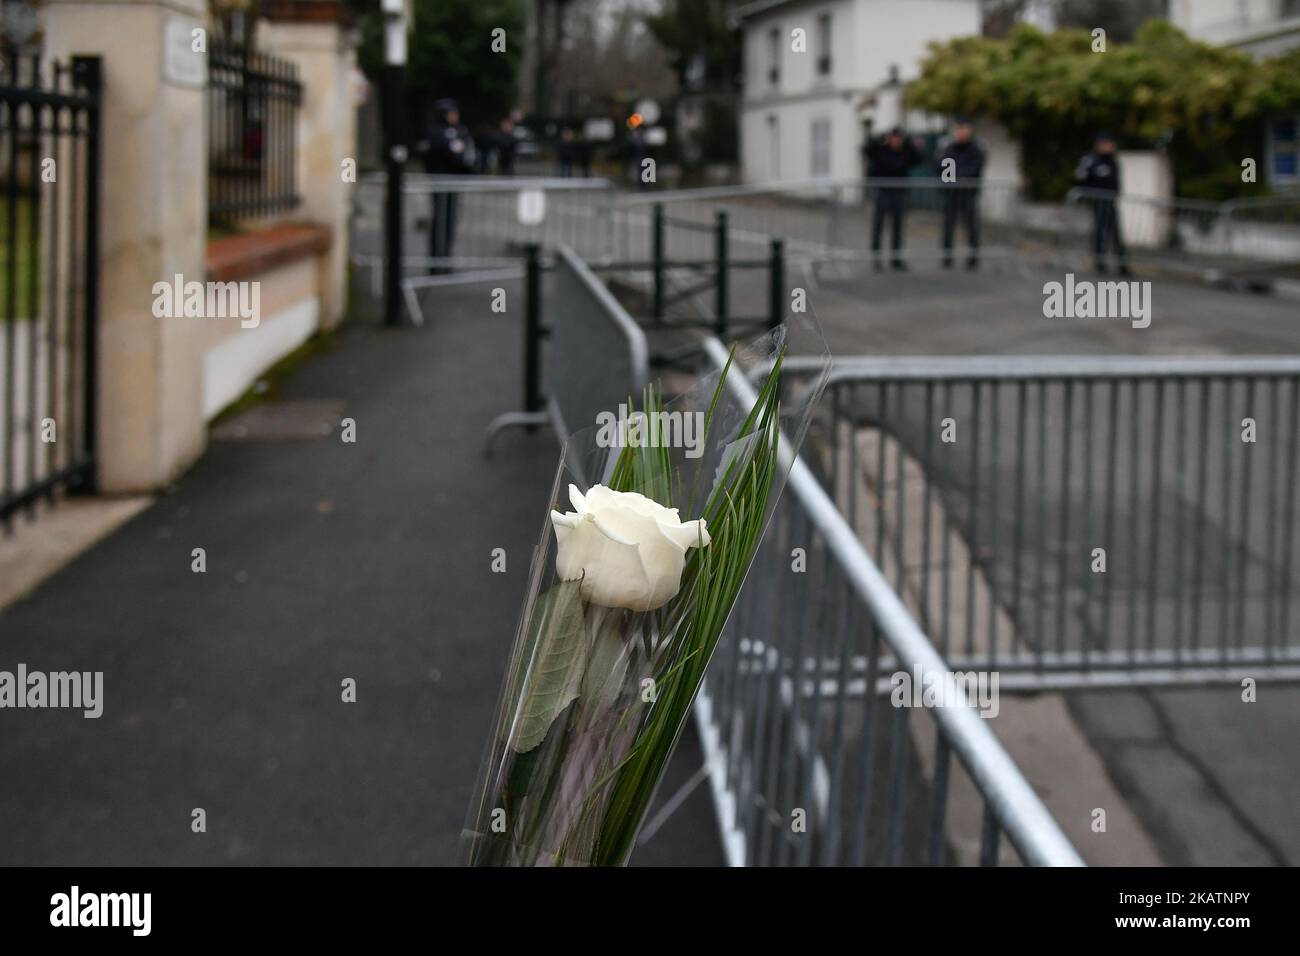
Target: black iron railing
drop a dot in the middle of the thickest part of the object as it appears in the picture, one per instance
(253, 103)
(49, 278)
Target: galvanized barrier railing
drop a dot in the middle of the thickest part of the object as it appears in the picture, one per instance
(1236, 240)
(486, 222)
(824, 220)
(1265, 230)
(1077, 522)
(496, 219)
(806, 760)
(805, 763)
(565, 302)
(819, 220)
(597, 354)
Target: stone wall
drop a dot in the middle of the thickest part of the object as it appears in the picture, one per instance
(163, 377)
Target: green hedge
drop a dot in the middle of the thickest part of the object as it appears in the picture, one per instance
(1206, 105)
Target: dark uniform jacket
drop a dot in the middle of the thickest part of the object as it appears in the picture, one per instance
(448, 151)
(505, 144)
(1097, 171)
(884, 162)
(968, 157)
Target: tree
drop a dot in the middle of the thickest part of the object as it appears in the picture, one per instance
(1205, 104)
(610, 58)
(698, 40)
(704, 53)
(450, 54)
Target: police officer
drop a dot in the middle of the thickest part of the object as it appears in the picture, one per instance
(964, 159)
(564, 152)
(448, 150)
(584, 151)
(496, 148)
(1098, 173)
(636, 151)
(891, 157)
(506, 146)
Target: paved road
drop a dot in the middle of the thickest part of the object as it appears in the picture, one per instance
(325, 561)
(999, 311)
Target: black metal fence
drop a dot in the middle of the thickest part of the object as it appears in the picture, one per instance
(253, 103)
(681, 278)
(49, 197)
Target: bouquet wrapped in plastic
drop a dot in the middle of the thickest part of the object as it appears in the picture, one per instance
(656, 515)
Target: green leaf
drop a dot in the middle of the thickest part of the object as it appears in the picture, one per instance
(550, 670)
(609, 657)
(521, 774)
(712, 578)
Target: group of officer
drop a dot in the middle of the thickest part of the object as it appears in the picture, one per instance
(448, 149)
(891, 158)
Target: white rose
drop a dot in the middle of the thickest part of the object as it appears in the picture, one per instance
(628, 550)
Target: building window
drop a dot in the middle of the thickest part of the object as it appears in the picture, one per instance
(821, 146)
(773, 148)
(824, 45)
(1284, 150)
(774, 56)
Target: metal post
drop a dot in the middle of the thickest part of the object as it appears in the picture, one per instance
(657, 255)
(394, 155)
(1225, 216)
(720, 317)
(87, 72)
(776, 284)
(533, 328)
(833, 220)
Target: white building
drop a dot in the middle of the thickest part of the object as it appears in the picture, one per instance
(1262, 28)
(810, 98)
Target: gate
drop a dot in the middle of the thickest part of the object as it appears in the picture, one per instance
(49, 197)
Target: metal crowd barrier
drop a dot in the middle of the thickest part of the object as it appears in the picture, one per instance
(499, 218)
(1242, 240)
(818, 219)
(1079, 522)
(787, 737)
(589, 357)
(806, 762)
(681, 291)
(824, 220)
(489, 232)
(1265, 230)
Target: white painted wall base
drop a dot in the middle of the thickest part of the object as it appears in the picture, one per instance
(233, 364)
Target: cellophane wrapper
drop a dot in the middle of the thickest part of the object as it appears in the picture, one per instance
(595, 698)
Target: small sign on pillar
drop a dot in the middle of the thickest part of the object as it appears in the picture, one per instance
(183, 65)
